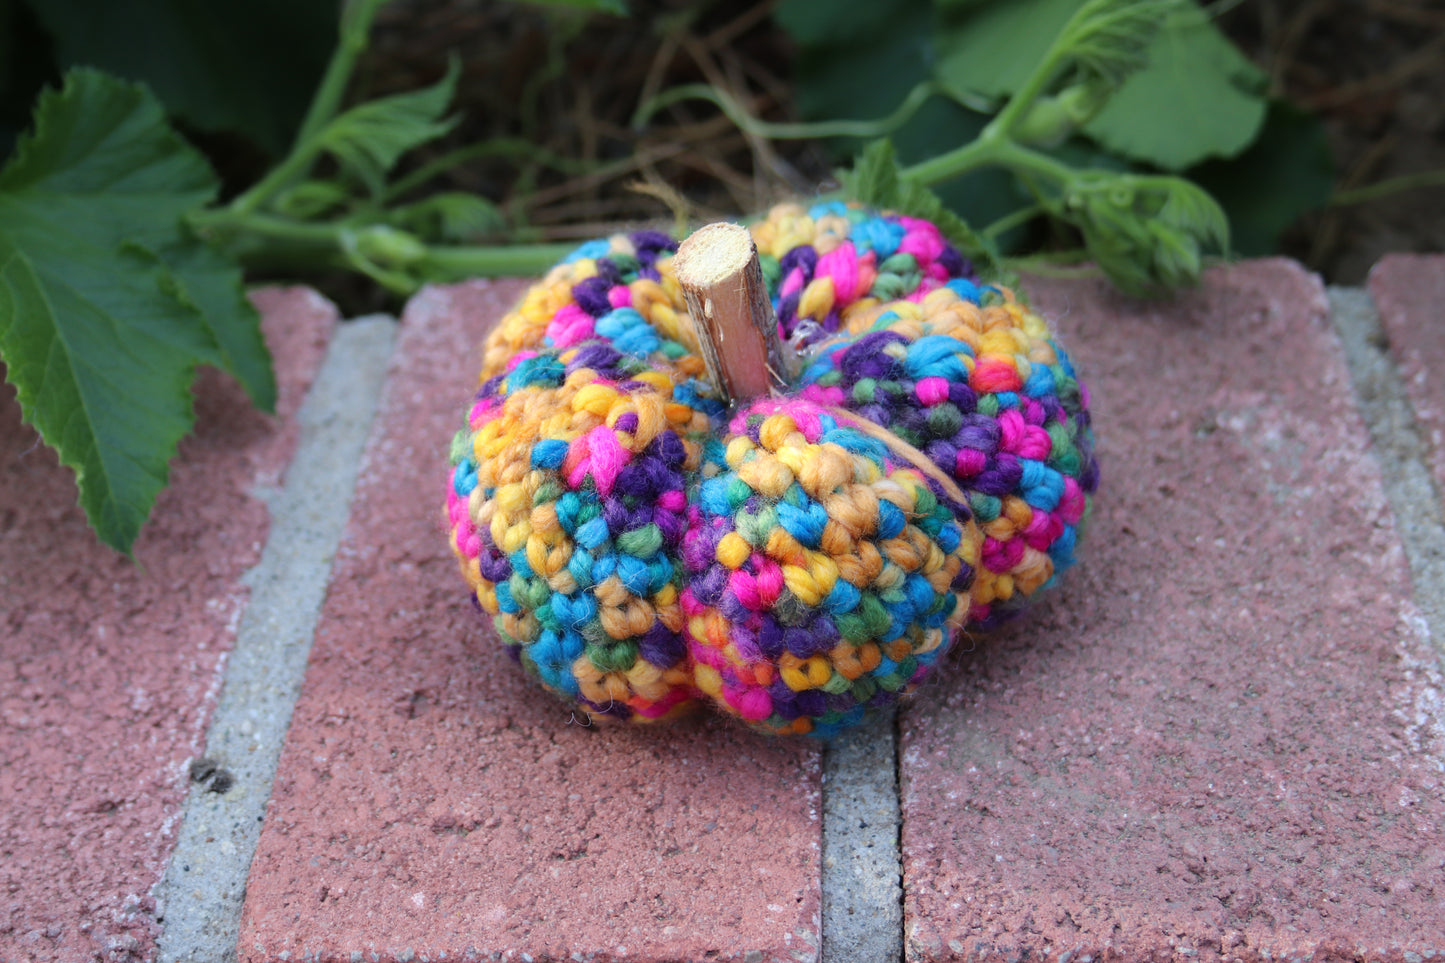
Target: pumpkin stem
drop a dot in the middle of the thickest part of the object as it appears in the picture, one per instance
(722, 282)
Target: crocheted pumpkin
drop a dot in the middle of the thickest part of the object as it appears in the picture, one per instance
(802, 559)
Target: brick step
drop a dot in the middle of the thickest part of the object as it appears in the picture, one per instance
(108, 669)
(430, 801)
(1222, 738)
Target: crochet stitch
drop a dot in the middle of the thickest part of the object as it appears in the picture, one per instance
(807, 559)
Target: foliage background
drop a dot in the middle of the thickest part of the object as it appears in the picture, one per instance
(557, 120)
(556, 88)
(1371, 71)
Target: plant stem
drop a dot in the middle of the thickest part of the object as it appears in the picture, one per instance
(503, 260)
(989, 151)
(355, 32)
(1002, 126)
(1015, 219)
(1018, 105)
(1384, 188)
(747, 123)
(323, 243)
(227, 221)
(355, 28)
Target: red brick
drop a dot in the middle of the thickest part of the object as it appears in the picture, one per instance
(1222, 737)
(432, 800)
(1409, 290)
(111, 668)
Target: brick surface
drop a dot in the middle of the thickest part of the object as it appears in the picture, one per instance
(433, 803)
(1409, 290)
(110, 668)
(1221, 739)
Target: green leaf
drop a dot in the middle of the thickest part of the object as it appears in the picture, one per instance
(106, 304)
(311, 199)
(1198, 98)
(450, 216)
(1108, 41)
(106, 139)
(830, 23)
(992, 48)
(874, 178)
(212, 283)
(1194, 96)
(221, 65)
(368, 139)
(102, 149)
(1149, 234)
(1286, 172)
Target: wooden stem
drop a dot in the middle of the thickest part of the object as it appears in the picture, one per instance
(722, 282)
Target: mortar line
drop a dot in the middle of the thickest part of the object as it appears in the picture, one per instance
(201, 894)
(1400, 449)
(896, 731)
(862, 866)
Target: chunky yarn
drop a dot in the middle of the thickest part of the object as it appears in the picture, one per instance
(808, 558)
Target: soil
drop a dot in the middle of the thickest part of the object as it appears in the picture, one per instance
(571, 84)
(1372, 70)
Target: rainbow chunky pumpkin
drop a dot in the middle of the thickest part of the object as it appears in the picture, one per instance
(796, 560)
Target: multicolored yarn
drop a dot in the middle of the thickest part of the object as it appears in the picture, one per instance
(798, 564)
(824, 572)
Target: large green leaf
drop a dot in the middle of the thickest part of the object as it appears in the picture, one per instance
(246, 65)
(213, 284)
(991, 48)
(106, 303)
(822, 23)
(1197, 97)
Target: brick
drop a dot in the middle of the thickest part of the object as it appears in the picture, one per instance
(1409, 290)
(110, 667)
(1221, 738)
(432, 800)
